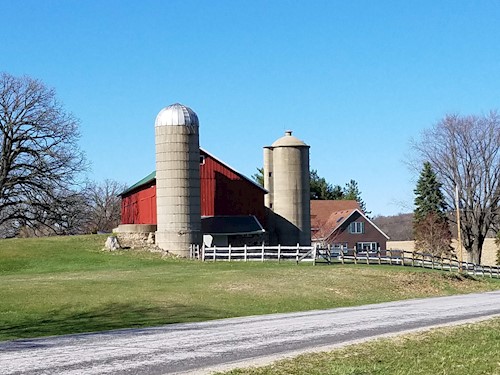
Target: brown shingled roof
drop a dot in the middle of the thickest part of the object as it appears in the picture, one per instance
(323, 211)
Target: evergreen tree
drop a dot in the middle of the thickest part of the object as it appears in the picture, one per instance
(351, 192)
(430, 224)
(321, 189)
(429, 197)
(259, 176)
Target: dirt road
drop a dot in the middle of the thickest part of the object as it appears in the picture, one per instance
(202, 347)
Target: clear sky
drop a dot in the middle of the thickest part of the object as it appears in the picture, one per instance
(356, 80)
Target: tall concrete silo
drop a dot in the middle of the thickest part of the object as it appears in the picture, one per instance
(286, 177)
(177, 179)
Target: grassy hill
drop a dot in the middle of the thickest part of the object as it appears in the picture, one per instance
(59, 285)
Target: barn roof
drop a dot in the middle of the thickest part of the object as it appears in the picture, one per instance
(231, 225)
(152, 176)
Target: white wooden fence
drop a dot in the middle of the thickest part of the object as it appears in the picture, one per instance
(316, 255)
(254, 253)
(408, 259)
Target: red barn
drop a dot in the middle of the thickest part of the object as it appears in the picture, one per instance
(225, 193)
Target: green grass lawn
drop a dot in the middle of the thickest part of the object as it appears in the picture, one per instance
(59, 285)
(472, 349)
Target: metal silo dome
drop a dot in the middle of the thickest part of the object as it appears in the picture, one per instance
(177, 115)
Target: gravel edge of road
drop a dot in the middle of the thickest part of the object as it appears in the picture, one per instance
(267, 360)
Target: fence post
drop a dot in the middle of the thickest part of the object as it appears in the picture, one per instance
(390, 257)
(245, 252)
(297, 254)
(314, 254)
(229, 257)
(378, 256)
(342, 255)
(279, 252)
(262, 252)
(402, 258)
(355, 255)
(432, 261)
(215, 251)
(203, 252)
(413, 258)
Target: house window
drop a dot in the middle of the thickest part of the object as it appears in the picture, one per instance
(367, 246)
(339, 245)
(357, 227)
(202, 159)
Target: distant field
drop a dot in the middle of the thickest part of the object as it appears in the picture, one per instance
(471, 349)
(489, 256)
(60, 285)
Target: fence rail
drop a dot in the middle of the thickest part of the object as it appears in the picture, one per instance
(407, 259)
(317, 255)
(254, 253)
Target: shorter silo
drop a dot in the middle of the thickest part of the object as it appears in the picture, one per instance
(286, 177)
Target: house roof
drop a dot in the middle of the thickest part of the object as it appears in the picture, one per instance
(321, 217)
(152, 176)
(231, 225)
(322, 210)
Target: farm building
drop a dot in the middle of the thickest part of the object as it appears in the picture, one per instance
(232, 205)
(342, 224)
(194, 197)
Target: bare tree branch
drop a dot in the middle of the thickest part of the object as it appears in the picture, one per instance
(40, 161)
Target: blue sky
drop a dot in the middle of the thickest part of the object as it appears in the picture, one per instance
(356, 80)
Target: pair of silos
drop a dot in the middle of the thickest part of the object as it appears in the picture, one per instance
(286, 177)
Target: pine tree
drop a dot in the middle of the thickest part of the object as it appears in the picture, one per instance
(430, 224)
(351, 192)
(429, 197)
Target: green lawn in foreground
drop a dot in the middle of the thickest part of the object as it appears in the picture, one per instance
(472, 349)
(59, 285)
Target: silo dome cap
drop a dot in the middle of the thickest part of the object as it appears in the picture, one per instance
(175, 115)
(289, 141)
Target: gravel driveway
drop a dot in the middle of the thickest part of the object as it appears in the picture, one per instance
(222, 344)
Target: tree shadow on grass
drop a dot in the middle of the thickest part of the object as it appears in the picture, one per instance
(112, 316)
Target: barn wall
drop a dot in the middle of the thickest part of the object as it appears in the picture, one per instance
(139, 206)
(223, 192)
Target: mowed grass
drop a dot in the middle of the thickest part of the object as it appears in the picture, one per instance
(60, 285)
(472, 349)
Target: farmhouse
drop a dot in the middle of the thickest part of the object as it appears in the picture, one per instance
(341, 224)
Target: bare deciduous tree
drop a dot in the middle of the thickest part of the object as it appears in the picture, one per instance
(40, 160)
(465, 152)
(104, 205)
